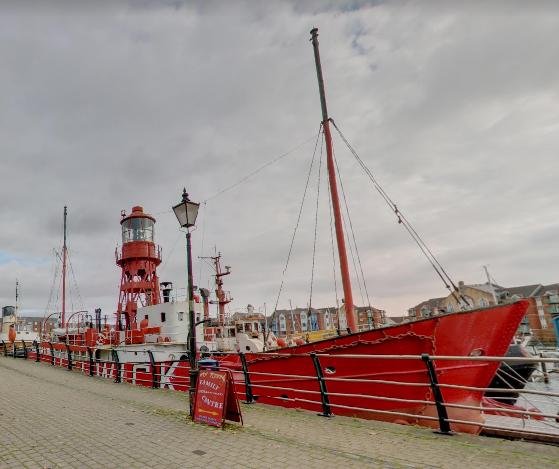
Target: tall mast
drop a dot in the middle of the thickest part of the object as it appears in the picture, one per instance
(340, 240)
(17, 296)
(64, 255)
(490, 285)
(222, 298)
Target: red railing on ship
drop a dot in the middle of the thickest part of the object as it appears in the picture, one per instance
(251, 386)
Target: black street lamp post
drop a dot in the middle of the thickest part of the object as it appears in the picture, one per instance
(186, 213)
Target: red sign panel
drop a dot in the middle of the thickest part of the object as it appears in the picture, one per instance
(215, 398)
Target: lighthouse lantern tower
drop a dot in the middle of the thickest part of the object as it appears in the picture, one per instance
(138, 259)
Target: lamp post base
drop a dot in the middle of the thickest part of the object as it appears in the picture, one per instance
(193, 378)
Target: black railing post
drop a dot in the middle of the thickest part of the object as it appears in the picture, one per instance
(115, 359)
(4, 346)
(24, 349)
(154, 383)
(326, 411)
(90, 354)
(69, 356)
(37, 351)
(444, 424)
(51, 354)
(248, 385)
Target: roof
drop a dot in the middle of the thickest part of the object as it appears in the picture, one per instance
(430, 303)
(524, 291)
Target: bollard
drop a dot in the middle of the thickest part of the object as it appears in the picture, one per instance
(248, 385)
(326, 411)
(24, 349)
(5, 348)
(444, 425)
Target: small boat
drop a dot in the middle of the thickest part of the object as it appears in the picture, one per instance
(512, 375)
(14, 329)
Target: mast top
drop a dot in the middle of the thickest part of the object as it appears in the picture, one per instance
(314, 40)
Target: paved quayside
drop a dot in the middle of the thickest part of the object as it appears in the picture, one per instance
(52, 418)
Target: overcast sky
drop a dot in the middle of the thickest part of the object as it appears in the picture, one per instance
(454, 108)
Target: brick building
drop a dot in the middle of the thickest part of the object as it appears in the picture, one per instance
(543, 299)
(284, 322)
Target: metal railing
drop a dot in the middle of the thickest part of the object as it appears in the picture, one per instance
(312, 384)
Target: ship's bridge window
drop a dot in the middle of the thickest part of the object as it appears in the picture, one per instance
(163, 318)
(137, 229)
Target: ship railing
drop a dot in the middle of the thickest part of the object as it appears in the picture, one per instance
(356, 390)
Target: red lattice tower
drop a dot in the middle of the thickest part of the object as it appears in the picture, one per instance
(138, 259)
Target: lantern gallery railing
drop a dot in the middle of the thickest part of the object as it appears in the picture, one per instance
(368, 391)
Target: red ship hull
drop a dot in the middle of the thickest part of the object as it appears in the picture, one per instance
(405, 385)
(485, 332)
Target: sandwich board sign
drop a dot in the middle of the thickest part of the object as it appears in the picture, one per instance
(215, 400)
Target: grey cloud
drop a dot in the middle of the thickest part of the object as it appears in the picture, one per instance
(114, 105)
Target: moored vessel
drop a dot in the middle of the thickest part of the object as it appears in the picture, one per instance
(151, 337)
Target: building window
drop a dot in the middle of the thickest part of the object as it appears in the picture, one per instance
(314, 322)
(180, 315)
(449, 308)
(554, 298)
(303, 321)
(282, 323)
(483, 303)
(327, 320)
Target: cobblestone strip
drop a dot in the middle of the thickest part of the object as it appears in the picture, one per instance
(54, 418)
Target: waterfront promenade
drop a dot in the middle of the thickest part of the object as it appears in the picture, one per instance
(53, 418)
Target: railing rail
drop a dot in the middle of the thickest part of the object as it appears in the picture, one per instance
(313, 386)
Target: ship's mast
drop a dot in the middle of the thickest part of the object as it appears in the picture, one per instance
(64, 256)
(222, 298)
(490, 285)
(340, 240)
(17, 298)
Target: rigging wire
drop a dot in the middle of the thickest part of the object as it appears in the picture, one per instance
(54, 277)
(439, 269)
(75, 285)
(362, 279)
(316, 220)
(298, 219)
(249, 175)
(257, 170)
(333, 255)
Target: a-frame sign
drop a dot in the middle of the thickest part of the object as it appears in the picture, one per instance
(215, 400)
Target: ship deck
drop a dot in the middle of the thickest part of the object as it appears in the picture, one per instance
(56, 418)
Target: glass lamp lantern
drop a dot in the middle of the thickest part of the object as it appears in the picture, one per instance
(186, 211)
